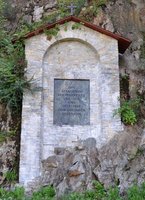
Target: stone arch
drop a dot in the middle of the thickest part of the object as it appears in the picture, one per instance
(65, 40)
(68, 58)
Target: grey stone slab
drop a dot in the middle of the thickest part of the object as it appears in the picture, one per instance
(71, 102)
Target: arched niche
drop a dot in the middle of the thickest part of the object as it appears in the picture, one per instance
(67, 59)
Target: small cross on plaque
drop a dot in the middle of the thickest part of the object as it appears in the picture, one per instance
(72, 8)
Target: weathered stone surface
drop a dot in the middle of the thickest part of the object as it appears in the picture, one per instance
(5, 118)
(73, 172)
(38, 11)
(51, 162)
(27, 19)
(76, 169)
(59, 150)
(142, 143)
(8, 156)
(118, 160)
(51, 4)
(122, 161)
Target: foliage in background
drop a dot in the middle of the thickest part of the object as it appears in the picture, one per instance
(99, 193)
(76, 26)
(46, 193)
(136, 193)
(11, 176)
(129, 111)
(12, 64)
(62, 11)
(16, 194)
(88, 13)
(52, 32)
(25, 27)
(4, 135)
(2, 19)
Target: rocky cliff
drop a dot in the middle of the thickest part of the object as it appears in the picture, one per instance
(122, 161)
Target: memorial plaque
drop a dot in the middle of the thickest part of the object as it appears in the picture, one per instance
(71, 102)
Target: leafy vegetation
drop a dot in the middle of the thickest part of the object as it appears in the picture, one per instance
(12, 65)
(52, 32)
(4, 135)
(24, 27)
(12, 85)
(129, 111)
(12, 80)
(46, 193)
(11, 176)
(76, 26)
(91, 11)
(99, 193)
(136, 193)
(62, 11)
(17, 194)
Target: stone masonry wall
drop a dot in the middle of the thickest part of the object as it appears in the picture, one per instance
(73, 54)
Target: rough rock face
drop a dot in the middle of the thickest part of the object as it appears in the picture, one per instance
(70, 169)
(120, 162)
(7, 158)
(28, 11)
(5, 118)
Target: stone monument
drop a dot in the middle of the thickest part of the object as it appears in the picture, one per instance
(75, 91)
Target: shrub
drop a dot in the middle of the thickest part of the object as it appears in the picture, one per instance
(12, 64)
(128, 111)
(136, 192)
(113, 194)
(11, 176)
(45, 193)
(12, 80)
(17, 194)
(99, 193)
(100, 190)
